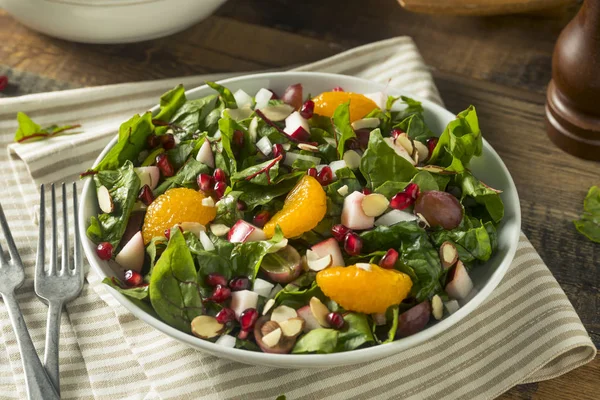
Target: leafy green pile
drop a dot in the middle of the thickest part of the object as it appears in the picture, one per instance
(589, 223)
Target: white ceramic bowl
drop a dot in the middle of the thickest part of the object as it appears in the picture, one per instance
(489, 168)
(109, 21)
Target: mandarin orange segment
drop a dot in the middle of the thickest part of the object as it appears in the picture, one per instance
(327, 102)
(303, 208)
(365, 288)
(175, 206)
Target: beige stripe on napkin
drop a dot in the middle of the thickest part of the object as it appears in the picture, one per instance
(526, 331)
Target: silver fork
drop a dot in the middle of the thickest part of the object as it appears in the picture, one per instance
(57, 286)
(12, 276)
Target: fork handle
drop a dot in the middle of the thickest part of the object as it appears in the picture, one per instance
(52, 339)
(37, 381)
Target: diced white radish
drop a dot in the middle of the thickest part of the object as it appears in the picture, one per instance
(353, 215)
(365, 123)
(395, 216)
(206, 242)
(378, 98)
(132, 254)
(295, 121)
(105, 200)
(343, 191)
(310, 322)
(287, 146)
(238, 114)
(374, 204)
(277, 112)
(332, 247)
(262, 98)
(290, 157)
(243, 300)
(205, 154)
(320, 263)
(452, 306)
(219, 229)
(253, 129)
(226, 341)
(335, 165)
(243, 231)
(262, 287)
(352, 159)
(264, 145)
(461, 284)
(242, 98)
(194, 227)
(148, 176)
(399, 149)
(208, 202)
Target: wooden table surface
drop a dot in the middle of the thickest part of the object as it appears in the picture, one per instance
(500, 64)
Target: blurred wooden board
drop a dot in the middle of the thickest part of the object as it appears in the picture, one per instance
(481, 7)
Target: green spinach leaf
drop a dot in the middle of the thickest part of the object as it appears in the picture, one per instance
(341, 122)
(589, 223)
(170, 102)
(321, 341)
(357, 332)
(224, 94)
(482, 194)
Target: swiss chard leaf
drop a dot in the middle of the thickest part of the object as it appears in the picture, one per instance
(589, 223)
(341, 122)
(357, 332)
(189, 116)
(262, 174)
(380, 163)
(123, 186)
(224, 94)
(227, 209)
(174, 291)
(29, 131)
(321, 341)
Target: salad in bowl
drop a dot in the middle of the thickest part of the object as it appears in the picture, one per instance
(289, 222)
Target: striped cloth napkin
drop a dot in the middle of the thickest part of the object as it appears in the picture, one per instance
(526, 331)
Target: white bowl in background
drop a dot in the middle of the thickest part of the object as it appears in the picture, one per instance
(489, 168)
(109, 21)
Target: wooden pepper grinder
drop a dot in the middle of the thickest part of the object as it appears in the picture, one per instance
(573, 97)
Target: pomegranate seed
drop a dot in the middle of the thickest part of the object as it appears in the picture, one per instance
(243, 335)
(167, 141)
(396, 132)
(312, 172)
(133, 278)
(366, 191)
(215, 279)
(145, 195)
(412, 189)
(325, 176)
(389, 259)
(3, 82)
(225, 315)
(307, 110)
(248, 318)
(104, 251)
(337, 89)
(353, 244)
(220, 175)
(163, 163)
(339, 232)
(205, 182)
(220, 294)
(335, 320)
(220, 189)
(278, 151)
(431, 143)
(239, 283)
(261, 218)
(241, 206)
(401, 200)
(238, 138)
(153, 141)
(168, 232)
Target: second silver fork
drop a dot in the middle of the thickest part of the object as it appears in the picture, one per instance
(55, 285)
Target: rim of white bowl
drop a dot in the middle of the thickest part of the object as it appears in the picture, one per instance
(318, 360)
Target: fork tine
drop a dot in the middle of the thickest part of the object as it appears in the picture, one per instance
(41, 256)
(12, 248)
(54, 248)
(65, 242)
(77, 256)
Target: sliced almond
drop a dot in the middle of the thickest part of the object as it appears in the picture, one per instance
(416, 157)
(422, 150)
(320, 264)
(352, 159)
(366, 123)
(374, 204)
(219, 229)
(206, 327)
(319, 311)
(343, 191)
(268, 327)
(364, 266)
(403, 140)
(268, 305)
(292, 327)
(422, 222)
(277, 112)
(437, 307)
(194, 227)
(271, 339)
(208, 202)
(105, 200)
(448, 254)
(311, 255)
(283, 313)
(308, 147)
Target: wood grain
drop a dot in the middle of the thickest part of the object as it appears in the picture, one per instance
(500, 64)
(480, 7)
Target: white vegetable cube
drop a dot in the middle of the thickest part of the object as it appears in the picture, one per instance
(295, 121)
(353, 215)
(243, 300)
(262, 98)
(242, 99)
(262, 287)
